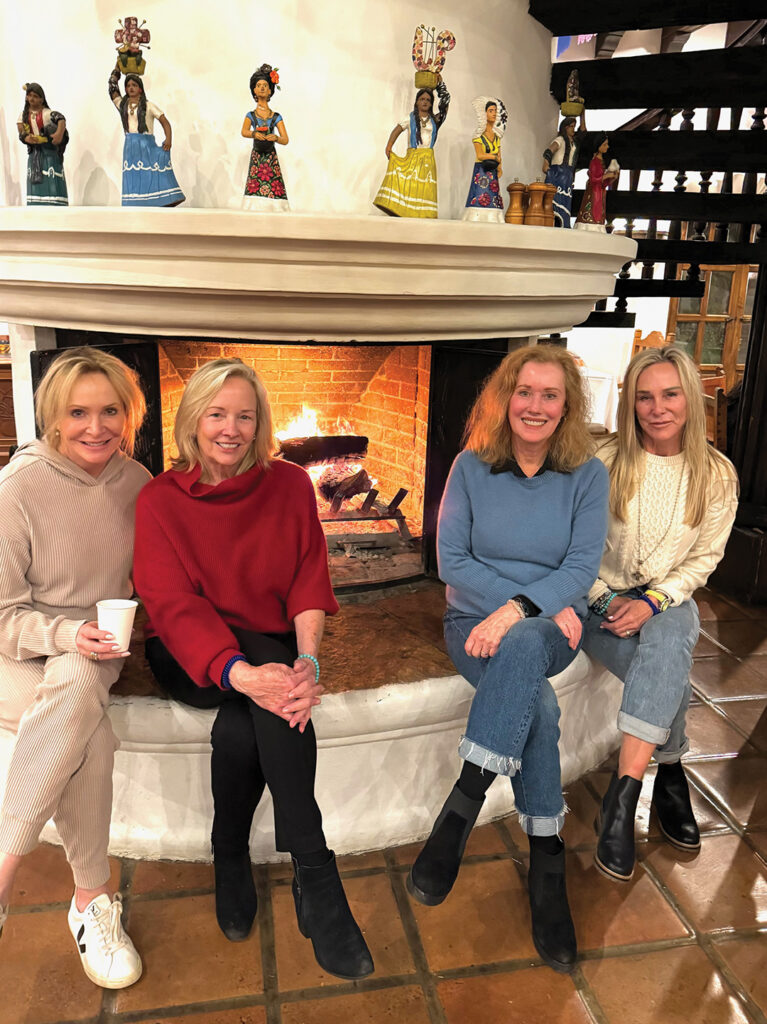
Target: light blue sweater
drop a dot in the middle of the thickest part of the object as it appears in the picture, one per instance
(500, 535)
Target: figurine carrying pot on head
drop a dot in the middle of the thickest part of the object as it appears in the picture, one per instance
(591, 216)
(148, 178)
(44, 132)
(484, 202)
(264, 186)
(559, 167)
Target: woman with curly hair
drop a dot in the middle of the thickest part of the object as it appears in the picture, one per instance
(409, 188)
(44, 132)
(672, 505)
(148, 176)
(521, 530)
(264, 187)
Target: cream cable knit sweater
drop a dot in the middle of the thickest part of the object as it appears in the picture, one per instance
(66, 542)
(681, 561)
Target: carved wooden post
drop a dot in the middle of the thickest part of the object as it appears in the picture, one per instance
(652, 227)
(722, 228)
(699, 227)
(621, 305)
(675, 226)
(742, 232)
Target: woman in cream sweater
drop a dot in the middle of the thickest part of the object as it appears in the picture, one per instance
(66, 541)
(672, 504)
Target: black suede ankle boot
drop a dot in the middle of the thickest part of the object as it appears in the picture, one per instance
(324, 917)
(553, 929)
(671, 800)
(615, 825)
(236, 900)
(436, 868)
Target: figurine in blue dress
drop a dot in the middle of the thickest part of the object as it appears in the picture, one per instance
(148, 178)
(484, 203)
(264, 186)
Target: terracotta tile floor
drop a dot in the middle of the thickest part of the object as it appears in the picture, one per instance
(684, 943)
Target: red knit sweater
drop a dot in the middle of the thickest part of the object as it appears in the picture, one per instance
(248, 552)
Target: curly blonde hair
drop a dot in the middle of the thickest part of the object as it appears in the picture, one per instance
(488, 433)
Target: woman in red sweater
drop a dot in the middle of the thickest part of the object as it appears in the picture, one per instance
(231, 563)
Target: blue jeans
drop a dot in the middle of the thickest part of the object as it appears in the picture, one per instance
(655, 669)
(513, 726)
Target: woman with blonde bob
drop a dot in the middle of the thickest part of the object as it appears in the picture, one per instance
(673, 500)
(66, 541)
(231, 563)
(521, 530)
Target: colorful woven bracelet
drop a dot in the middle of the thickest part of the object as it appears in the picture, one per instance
(649, 603)
(310, 657)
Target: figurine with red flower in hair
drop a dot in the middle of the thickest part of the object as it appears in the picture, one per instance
(264, 186)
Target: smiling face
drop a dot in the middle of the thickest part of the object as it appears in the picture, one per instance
(661, 409)
(93, 423)
(226, 429)
(536, 407)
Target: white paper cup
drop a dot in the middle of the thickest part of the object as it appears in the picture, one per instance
(116, 617)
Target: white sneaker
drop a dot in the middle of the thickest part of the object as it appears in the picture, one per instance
(108, 956)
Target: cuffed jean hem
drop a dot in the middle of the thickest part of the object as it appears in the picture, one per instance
(671, 756)
(534, 826)
(642, 730)
(499, 764)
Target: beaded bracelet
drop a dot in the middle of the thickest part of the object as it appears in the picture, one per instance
(602, 603)
(310, 657)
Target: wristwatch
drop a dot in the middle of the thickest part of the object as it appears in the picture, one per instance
(527, 607)
(663, 600)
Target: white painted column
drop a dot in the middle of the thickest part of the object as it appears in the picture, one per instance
(25, 339)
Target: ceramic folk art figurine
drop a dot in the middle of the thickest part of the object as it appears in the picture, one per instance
(559, 168)
(148, 178)
(131, 36)
(484, 202)
(44, 132)
(409, 187)
(591, 216)
(264, 187)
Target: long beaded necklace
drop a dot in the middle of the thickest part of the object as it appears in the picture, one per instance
(640, 561)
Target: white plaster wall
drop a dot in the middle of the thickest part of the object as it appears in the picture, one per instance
(346, 78)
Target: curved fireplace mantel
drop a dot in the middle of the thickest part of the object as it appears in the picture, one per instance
(294, 277)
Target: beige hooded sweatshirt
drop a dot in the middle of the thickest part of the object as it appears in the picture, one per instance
(66, 542)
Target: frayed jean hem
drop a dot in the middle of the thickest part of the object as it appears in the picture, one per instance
(534, 826)
(642, 730)
(671, 756)
(499, 764)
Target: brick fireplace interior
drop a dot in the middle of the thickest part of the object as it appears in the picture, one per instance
(379, 391)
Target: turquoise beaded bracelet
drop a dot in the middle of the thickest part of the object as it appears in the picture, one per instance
(310, 657)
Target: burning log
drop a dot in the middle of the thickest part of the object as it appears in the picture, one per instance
(306, 451)
(337, 483)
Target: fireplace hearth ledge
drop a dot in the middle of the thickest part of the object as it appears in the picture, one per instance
(229, 274)
(387, 758)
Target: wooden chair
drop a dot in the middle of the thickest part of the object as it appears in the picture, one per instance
(716, 418)
(654, 339)
(712, 382)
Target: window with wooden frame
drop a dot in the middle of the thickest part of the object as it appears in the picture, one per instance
(714, 329)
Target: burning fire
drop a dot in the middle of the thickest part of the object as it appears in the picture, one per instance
(306, 424)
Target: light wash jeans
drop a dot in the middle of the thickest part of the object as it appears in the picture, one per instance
(655, 669)
(513, 726)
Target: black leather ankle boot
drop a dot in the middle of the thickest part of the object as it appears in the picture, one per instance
(324, 917)
(671, 800)
(236, 900)
(615, 825)
(553, 929)
(436, 868)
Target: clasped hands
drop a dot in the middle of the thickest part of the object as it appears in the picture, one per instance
(626, 616)
(485, 639)
(290, 692)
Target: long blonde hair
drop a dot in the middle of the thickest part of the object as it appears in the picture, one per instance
(203, 386)
(623, 453)
(488, 432)
(54, 391)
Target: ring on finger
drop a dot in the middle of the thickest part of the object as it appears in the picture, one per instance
(94, 655)
(627, 633)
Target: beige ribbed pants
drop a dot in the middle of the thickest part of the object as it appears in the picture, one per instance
(61, 766)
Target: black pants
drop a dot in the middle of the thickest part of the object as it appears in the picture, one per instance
(252, 748)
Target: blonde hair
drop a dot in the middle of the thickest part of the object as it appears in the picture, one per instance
(623, 452)
(488, 433)
(203, 386)
(55, 390)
